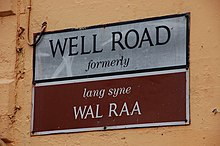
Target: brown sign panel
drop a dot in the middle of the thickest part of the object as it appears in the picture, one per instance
(140, 101)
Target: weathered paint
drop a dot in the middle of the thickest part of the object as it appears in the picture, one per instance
(16, 70)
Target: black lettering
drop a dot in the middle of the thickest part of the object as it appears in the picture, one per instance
(146, 39)
(83, 47)
(158, 34)
(94, 45)
(62, 49)
(126, 39)
(118, 41)
(71, 53)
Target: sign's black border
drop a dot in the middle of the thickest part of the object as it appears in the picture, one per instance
(187, 15)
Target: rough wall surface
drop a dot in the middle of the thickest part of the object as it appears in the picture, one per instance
(16, 70)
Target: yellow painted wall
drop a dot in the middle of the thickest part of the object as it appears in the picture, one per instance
(16, 70)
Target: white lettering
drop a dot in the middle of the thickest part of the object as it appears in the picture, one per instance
(97, 116)
(93, 93)
(79, 111)
(136, 108)
(112, 110)
(114, 92)
(84, 112)
(124, 109)
(89, 112)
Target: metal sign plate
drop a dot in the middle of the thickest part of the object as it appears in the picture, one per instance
(120, 48)
(141, 101)
(121, 75)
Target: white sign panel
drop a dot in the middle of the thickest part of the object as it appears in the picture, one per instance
(119, 48)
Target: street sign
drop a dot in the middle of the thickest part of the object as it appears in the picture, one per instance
(114, 76)
(119, 48)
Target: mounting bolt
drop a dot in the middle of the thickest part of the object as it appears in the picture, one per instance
(215, 111)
